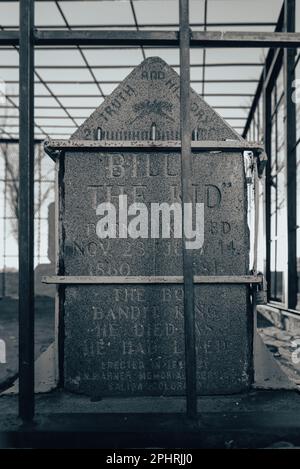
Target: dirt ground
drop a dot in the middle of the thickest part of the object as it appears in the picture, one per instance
(44, 333)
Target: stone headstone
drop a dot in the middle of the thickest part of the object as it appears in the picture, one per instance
(128, 339)
(150, 95)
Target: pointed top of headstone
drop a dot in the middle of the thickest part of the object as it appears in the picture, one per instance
(146, 105)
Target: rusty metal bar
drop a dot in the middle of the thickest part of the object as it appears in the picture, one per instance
(154, 280)
(157, 38)
(55, 147)
(167, 38)
(153, 25)
(26, 213)
(244, 39)
(186, 190)
(209, 145)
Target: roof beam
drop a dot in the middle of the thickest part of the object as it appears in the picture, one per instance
(221, 39)
(244, 39)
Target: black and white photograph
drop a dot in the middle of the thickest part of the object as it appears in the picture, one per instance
(150, 227)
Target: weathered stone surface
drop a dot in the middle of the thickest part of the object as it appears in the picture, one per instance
(128, 340)
(150, 95)
(142, 326)
(218, 182)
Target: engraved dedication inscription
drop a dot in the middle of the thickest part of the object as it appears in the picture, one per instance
(128, 339)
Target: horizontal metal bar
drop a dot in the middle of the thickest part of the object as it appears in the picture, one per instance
(93, 108)
(109, 38)
(117, 82)
(229, 107)
(98, 96)
(245, 39)
(53, 146)
(9, 118)
(149, 25)
(122, 66)
(87, 47)
(16, 141)
(9, 38)
(168, 38)
(101, 280)
(156, 38)
(50, 126)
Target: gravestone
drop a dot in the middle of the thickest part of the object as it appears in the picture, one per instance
(128, 340)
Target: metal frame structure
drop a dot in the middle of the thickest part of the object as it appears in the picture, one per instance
(27, 38)
(201, 39)
(277, 60)
(56, 148)
(66, 113)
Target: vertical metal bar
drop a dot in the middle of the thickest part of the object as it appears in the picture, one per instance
(274, 182)
(26, 214)
(269, 80)
(60, 265)
(186, 187)
(204, 50)
(5, 149)
(290, 154)
(267, 123)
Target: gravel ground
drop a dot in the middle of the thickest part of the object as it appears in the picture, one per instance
(280, 344)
